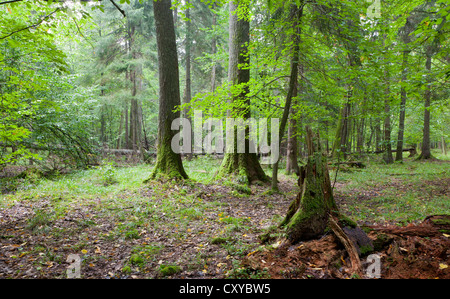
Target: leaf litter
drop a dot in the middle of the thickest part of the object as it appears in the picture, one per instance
(197, 231)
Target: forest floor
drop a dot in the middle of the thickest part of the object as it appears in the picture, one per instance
(122, 228)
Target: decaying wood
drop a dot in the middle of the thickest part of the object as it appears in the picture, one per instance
(348, 244)
(408, 231)
(432, 226)
(411, 150)
(307, 215)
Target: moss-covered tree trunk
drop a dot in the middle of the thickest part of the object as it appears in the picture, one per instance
(401, 122)
(168, 162)
(245, 165)
(314, 208)
(307, 216)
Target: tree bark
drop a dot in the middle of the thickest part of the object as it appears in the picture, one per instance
(120, 131)
(387, 155)
(340, 148)
(127, 136)
(296, 14)
(292, 147)
(213, 51)
(426, 149)
(168, 162)
(348, 244)
(401, 122)
(245, 165)
(388, 158)
(187, 93)
(443, 146)
(377, 134)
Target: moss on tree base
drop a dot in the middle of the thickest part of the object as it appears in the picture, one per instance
(168, 165)
(308, 214)
(245, 166)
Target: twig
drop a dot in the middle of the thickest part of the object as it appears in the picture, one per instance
(10, 1)
(31, 26)
(81, 33)
(118, 8)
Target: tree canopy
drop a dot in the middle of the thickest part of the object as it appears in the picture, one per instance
(79, 77)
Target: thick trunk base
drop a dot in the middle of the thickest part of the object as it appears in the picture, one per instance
(168, 164)
(308, 213)
(243, 165)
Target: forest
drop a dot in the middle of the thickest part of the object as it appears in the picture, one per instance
(252, 139)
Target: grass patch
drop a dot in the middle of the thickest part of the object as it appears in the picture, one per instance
(40, 221)
(397, 193)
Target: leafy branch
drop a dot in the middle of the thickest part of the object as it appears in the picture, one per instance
(31, 26)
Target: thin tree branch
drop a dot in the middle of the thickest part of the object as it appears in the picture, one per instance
(10, 1)
(31, 26)
(118, 8)
(81, 33)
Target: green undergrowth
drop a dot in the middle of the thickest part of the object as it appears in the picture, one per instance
(400, 193)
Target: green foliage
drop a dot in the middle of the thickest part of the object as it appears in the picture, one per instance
(108, 174)
(70, 74)
(36, 97)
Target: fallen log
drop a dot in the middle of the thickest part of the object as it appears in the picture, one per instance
(432, 226)
(126, 152)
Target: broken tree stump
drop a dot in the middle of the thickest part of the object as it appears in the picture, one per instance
(314, 209)
(307, 215)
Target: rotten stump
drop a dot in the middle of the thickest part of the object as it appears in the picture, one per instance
(314, 210)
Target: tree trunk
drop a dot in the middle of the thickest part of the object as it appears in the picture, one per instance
(292, 148)
(314, 208)
(102, 125)
(401, 122)
(387, 155)
(167, 162)
(388, 159)
(213, 51)
(426, 149)
(296, 14)
(120, 131)
(443, 146)
(360, 138)
(187, 93)
(246, 164)
(340, 142)
(127, 135)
